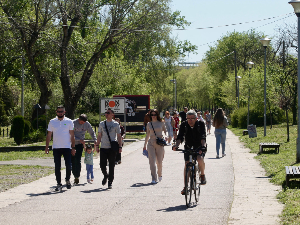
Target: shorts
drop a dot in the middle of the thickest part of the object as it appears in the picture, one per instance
(187, 156)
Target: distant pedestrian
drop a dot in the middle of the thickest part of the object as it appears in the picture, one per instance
(183, 114)
(147, 119)
(155, 152)
(176, 125)
(118, 157)
(169, 123)
(109, 131)
(88, 160)
(81, 126)
(220, 123)
(208, 121)
(62, 129)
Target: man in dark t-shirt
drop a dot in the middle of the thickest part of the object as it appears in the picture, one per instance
(183, 114)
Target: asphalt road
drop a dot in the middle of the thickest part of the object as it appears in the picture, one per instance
(231, 195)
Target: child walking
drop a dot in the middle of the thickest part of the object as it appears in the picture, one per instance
(88, 160)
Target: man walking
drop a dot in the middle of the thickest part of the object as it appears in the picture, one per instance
(63, 138)
(182, 114)
(111, 127)
(81, 126)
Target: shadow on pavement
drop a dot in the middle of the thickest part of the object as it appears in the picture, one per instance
(176, 208)
(95, 190)
(141, 185)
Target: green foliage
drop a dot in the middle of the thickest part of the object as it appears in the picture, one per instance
(18, 129)
(41, 122)
(27, 127)
(35, 136)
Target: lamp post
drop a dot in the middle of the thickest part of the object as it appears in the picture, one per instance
(296, 6)
(238, 89)
(46, 107)
(37, 107)
(250, 66)
(175, 97)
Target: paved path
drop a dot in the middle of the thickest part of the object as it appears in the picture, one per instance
(237, 192)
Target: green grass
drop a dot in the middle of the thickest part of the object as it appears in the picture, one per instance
(23, 155)
(15, 175)
(274, 164)
(135, 135)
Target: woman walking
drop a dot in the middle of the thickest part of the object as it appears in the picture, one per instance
(155, 152)
(169, 123)
(220, 123)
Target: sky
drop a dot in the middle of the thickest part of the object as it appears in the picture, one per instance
(214, 13)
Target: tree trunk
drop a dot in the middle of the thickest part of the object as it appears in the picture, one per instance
(287, 125)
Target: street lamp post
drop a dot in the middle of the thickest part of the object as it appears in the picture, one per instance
(175, 97)
(265, 42)
(46, 107)
(238, 89)
(37, 107)
(296, 6)
(250, 66)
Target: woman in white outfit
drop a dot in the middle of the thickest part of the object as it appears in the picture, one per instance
(169, 126)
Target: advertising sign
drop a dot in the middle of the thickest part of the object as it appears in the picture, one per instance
(117, 105)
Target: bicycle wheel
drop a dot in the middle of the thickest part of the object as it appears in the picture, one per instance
(188, 188)
(196, 185)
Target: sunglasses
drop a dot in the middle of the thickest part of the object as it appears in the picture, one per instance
(60, 111)
(153, 115)
(107, 112)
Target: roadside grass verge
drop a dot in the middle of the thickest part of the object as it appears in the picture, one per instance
(14, 175)
(274, 165)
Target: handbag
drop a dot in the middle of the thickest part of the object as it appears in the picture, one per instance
(159, 141)
(113, 144)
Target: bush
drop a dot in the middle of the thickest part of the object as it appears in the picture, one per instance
(17, 129)
(35, 136)
(27, 127)
(42, 123)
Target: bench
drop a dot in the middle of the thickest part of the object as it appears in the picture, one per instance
(292, 172)
(245, 132)
(268, 145)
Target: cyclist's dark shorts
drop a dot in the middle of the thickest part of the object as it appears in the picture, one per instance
(187, 157)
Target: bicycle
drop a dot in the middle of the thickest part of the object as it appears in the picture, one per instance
(192, 182)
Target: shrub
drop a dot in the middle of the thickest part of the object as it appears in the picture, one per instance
(35, 136)
(42, 123)
(18, 129)
(27, 127)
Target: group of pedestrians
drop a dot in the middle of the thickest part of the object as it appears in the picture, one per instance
(68, 141)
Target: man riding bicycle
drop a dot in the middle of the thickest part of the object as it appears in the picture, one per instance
(193, 132)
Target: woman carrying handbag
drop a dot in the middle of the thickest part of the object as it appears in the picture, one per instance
(155, 151)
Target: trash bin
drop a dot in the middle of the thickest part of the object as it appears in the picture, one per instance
(252, 131)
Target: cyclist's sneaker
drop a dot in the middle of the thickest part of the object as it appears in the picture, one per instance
(217, 157)
(58, 187)
(183, 191)
(202, 179)
(109, 185)
(104, 180)
(76, 180)
(68, 184)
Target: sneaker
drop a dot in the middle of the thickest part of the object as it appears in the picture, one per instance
(217, 157)
(92, 180)
(58, 187)
(154, 182)
(88, 180)
(116, 162)
(104, 180)
(160, 179)
(202, 179)
(68, 184)
(119, 162)
(76, 180)
(109, 185)
(223, 155)
(183, 191)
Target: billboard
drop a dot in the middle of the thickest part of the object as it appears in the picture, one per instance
(136, 107)
(117, 105)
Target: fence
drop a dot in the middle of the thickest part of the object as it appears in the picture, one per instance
(3, 131)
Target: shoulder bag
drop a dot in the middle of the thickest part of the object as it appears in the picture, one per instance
(159, 141)
(114, 144)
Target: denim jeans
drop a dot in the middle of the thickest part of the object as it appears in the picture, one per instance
(220, 135)
(89, 170)
(57, 153)
(76, 160)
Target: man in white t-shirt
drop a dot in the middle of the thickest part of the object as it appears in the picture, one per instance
(106, 152)
(62, 129)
